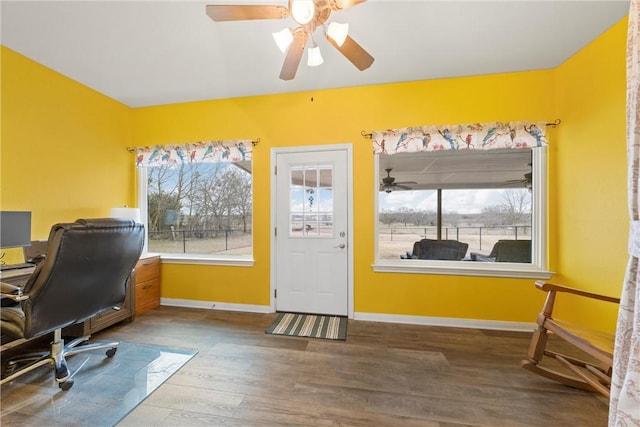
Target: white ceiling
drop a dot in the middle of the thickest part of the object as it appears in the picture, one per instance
(144, 53)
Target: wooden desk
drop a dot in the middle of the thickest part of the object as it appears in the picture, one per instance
(17, 277)
(106, 318)
(143, 294)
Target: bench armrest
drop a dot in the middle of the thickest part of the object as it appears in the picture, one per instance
(547, 287)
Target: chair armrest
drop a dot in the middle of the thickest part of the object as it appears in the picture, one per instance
(547, 287)
(12, 292)
(8, 288)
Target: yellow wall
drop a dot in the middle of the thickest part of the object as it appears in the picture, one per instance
(590, 173)
(62, 152)
(53, 114)
(335, 117)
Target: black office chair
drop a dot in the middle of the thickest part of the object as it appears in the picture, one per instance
(85, 272)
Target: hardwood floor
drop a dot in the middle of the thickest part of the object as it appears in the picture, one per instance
(382, 375)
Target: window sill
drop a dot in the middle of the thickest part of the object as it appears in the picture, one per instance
(463, 268)
(195, 260)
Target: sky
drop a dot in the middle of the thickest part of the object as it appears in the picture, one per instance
(460, 201)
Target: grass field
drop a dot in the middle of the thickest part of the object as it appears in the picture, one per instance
(237, 244)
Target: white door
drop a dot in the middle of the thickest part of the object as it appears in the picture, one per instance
(311, 232)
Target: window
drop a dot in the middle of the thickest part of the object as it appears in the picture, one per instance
(198, 210)
(488, 200)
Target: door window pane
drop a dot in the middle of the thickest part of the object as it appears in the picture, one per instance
(311, 201)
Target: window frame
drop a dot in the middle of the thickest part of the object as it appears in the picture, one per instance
(537, 269)
(176, 258)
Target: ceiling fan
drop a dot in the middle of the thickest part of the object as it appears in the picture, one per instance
(389, 183)
(527, 180)
(309, 15)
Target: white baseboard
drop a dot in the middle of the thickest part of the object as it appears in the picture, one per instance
(447, 321)
(188, 303)
(370, 317)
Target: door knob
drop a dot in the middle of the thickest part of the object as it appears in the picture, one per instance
(341, 246)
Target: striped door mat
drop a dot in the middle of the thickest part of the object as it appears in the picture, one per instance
(309, 325)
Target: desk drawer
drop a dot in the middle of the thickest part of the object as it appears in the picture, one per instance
(147, 295)
(147, 284)
(147, 268)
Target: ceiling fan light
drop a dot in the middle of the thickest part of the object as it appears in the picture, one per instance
(302, 11)
(338, 32)
(315, 58)
(283, 39)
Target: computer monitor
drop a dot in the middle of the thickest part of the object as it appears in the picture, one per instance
(15, 229)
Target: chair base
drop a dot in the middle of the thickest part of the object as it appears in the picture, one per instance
(596, 382)
(56, 356)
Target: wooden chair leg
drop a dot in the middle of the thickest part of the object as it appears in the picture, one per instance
(537, 345)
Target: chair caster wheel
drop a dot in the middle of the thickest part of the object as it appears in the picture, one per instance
(62, 372)
(111, 352)
(66, 385)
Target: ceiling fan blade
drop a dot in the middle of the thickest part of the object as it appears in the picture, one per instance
(344, 4)
(294, 54)
(354, 53)
(245, 12)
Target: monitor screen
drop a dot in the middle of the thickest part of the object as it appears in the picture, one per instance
(15, 229)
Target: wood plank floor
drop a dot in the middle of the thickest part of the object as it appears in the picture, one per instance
(382, 375)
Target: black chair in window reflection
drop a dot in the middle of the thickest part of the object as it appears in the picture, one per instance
(506, 251)
(84, 273)
(445, 250)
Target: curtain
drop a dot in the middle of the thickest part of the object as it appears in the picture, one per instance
(624, 405)
(204, 151)
(476, 136)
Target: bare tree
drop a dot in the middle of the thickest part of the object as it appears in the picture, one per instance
(240, 184)
(205, 198)
(405, 215)
(207, 205)
(161, 200)
(220, 198)
(516, 206)
(387, 217)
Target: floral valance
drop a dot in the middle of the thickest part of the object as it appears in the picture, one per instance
(476, 136)
(204, 151)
